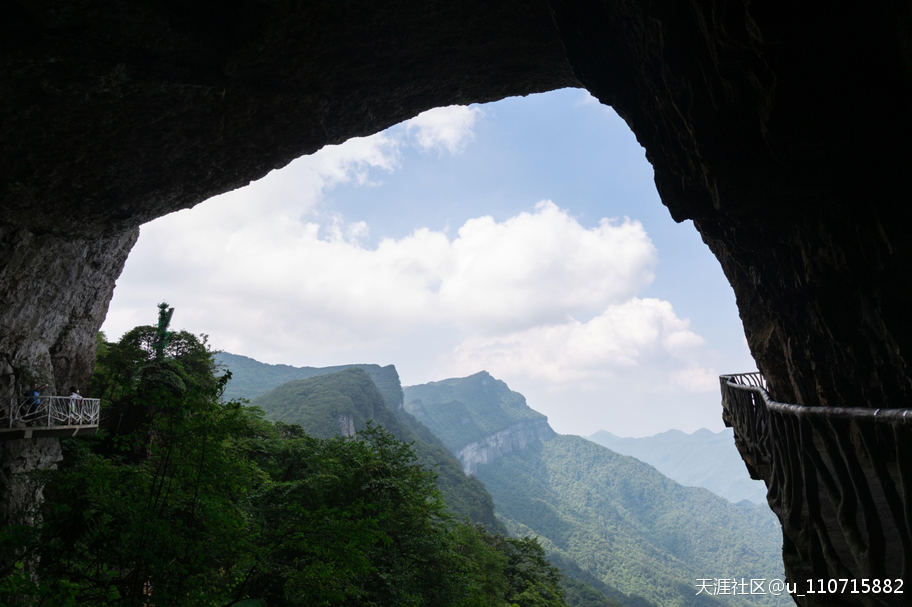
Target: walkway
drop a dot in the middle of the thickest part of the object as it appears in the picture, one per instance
(48, 416)
(839, 479)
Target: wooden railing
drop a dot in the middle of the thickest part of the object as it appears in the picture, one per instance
(840, 481)
(48, 416)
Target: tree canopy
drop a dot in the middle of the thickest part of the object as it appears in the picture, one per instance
(186, 499)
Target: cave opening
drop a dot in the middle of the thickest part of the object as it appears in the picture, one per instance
(781, 133)
(524, 237)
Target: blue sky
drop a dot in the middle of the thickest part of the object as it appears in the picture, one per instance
(523, 237)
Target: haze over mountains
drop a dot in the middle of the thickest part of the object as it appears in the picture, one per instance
(609, 521)
(701, 459)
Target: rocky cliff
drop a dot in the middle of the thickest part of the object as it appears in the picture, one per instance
(516, 437)
(19, 494)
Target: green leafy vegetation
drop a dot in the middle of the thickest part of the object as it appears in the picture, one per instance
(190, 500)
(621, 532)
(325, 401)
(630, 526)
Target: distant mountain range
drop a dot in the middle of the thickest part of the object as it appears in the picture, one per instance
(623, 533)
(334, 401)
(702, 459)
(618, 518)
(250, 378)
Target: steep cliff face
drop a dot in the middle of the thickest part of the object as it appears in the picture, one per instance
(55, 290)
(19, 494)
(516, 437)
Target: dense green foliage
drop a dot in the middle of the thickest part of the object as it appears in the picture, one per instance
(320, 402)
(702, 459)
(325, 402)
(464, 410)
(630, 526)
(326, 405)
(197, 501)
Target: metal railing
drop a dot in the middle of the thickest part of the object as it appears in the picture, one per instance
(32, 415)
(838, 478)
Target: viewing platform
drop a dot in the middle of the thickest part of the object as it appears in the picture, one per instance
(838, 478)
(48, 416)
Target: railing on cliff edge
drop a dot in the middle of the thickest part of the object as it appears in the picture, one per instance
(839, 479)
(48, 416)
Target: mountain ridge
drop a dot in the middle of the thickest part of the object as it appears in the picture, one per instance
(620, 519)
(317, 401)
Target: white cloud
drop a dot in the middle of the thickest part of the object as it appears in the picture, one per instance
(534, 268)
(696, 380)
(447, 129)
(638, 332)
(542, 267)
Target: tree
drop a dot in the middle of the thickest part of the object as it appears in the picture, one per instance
(189, 500)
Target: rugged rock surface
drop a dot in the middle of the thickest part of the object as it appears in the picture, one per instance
(478, 418)
(781, 129)
(517, 437)
(18, 493)
(55, 290)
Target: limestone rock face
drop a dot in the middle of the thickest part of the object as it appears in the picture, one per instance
(517, 437)
(346, 425)
(56, 290)
(18, 493)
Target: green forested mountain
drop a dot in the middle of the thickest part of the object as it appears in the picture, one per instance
(250, 378)
(335, 404)
(465, 410)
(610, 522)
(702, 459)
(629, 525)
(646, 538)
(328, 405)
(318, 402)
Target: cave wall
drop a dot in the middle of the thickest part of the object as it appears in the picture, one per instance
(56, 290)
(781, 129)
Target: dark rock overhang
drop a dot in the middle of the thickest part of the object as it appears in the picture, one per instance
(781, 130)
